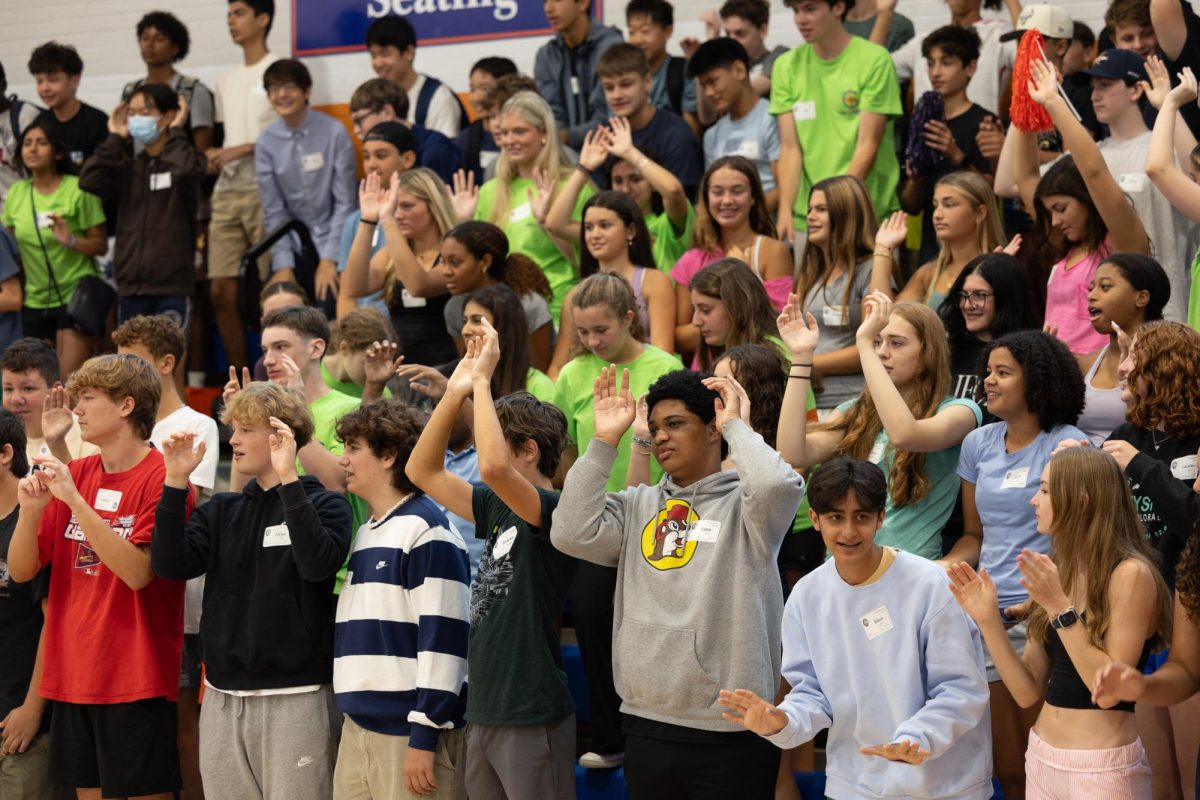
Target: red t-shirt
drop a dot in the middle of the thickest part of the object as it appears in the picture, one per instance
(104, 642)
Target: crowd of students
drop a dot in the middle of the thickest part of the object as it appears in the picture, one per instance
(850, 387)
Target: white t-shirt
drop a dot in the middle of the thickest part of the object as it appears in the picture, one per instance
(993, 72)
(203, 478)
(243, 108)
(76, 446)
(444, 114)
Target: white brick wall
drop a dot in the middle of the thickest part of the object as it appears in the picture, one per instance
(104, 33)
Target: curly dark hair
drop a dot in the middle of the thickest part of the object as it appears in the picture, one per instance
(1053, 383)
(1167, 357)
(758, 368)
(688, 388)
(169, 26)
(55, 57)
(388, 428)
(1187, 579)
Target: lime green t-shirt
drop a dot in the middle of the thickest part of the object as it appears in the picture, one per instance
(326, 412)
(574, 397)
(538, 384)
(81, 211)
(825, 99)
(526, 236)
(669, 244)
(348, 388)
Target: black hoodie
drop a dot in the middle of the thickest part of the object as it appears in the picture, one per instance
(268, 591)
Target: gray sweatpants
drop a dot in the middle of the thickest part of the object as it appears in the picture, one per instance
(274, 747)
(515, 762)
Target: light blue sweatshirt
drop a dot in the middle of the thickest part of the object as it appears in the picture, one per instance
(920, 678)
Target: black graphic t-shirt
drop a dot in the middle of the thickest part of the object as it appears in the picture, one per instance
(20, 625)
(514, 658)
(1160, 478)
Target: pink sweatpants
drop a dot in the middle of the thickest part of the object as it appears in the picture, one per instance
(1118, 773)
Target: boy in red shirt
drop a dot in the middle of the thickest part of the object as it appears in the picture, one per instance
(113, 629)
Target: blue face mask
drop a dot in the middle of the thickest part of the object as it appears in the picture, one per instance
(144, 130)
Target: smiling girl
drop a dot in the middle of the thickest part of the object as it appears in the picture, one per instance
(499, 306)
(903, 420)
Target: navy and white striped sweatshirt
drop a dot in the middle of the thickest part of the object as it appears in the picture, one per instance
(400, 646)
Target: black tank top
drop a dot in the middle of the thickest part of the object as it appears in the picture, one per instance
(421, 327)
(1067, 689)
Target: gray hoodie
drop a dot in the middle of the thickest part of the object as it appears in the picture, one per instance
(580, 107)
(698, 610)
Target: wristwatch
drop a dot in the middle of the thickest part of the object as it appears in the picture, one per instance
(1066, 619)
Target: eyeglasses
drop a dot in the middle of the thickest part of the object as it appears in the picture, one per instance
(975, 298)
(357, 119)
(279, 88)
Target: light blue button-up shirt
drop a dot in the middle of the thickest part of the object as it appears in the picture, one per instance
(306, 173)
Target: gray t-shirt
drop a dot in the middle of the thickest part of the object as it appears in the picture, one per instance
(537, 312)
(764, 65)
(839, 323)
(754, 136)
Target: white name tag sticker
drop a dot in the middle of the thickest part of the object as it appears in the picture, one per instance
(1132, 181)
(805, 110)
(409, 300)
(876, 454)
(45, 219)
(834, 316)
(1184, 468)
(574, 85)
(876, 623)
(277, 536)
(311, 162)
(704, 530)
(504, 543)
(1015, 478)
(160, 180)
(748, 149)
(107, 500)
(523, 211)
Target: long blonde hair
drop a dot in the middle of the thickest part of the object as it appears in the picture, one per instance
(425, 185)
(907, 482)
(989, 234)
(852, 229)
(1096, 527)
(530, 107)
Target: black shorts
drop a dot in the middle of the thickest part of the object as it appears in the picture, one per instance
(124, 749)
(44, 323)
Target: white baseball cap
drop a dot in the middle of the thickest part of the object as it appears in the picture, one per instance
(1051, 21)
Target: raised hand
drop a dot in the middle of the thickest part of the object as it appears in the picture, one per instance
(379, 363)
(904, 751)
(1044, 85)
(232, 386)
(118, 121)
(613, 406)
(893, 232)
(56, 477)
(798, 330)
(1039, 576)
(620, 138)
(387, 208)
(371, 195)
(751, 712)
(1124, 342)
(594, 152)
(974, 592)
(1186, 91)
(291, 373)
(729, 405)
(57, 418)
(1012, 248)
(1118, 683)
(712, 23)
(283, 450)
(465, 195)
(182, 454)
(877, 307)
(426, 380)
(641, 419)
(1159, 85)
(489, 353)
(541, 193)
(181, 115)
(462, 381)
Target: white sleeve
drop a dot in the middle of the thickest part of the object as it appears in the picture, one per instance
(443, 115)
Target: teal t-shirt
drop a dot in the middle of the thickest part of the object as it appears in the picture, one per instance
(574, 396)
(22, 207)
(326, 412)
(917, 528)
(526, 236)
(668, 244)
(539, 385)
(826, 99)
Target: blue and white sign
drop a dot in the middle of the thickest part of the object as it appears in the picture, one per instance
(340, 26)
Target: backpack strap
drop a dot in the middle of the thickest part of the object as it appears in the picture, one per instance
(425, 97)
(15, 107)
(676, 74)
(474, 142)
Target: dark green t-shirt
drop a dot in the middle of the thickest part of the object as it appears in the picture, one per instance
(514, 660)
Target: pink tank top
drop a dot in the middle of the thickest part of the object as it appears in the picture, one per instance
(697, 259)
(1067, 304)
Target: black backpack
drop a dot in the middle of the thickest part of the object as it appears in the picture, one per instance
(676, 75)
(425, 97)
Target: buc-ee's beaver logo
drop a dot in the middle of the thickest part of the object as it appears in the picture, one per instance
(665, 543)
